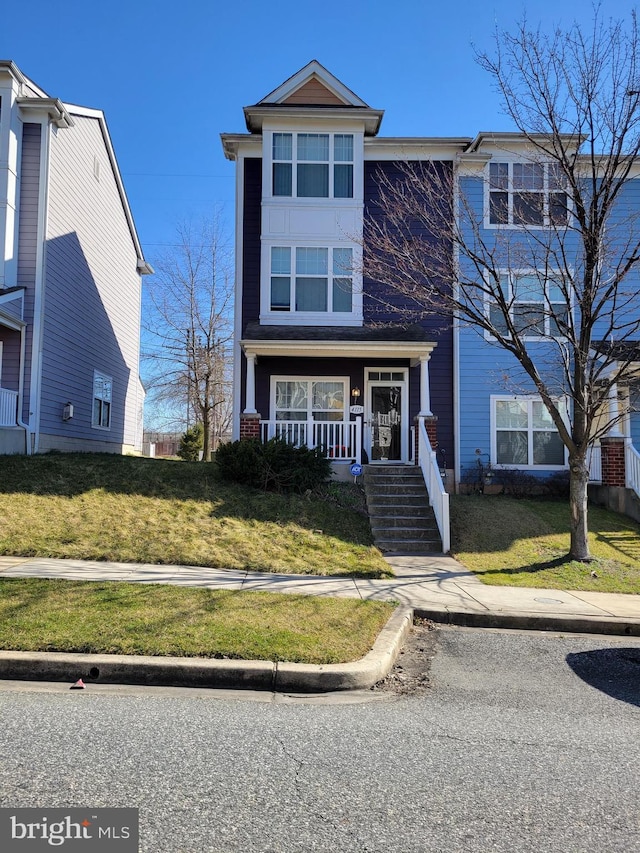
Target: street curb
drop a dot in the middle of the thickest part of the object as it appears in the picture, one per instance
(532, 621)
(214, 672)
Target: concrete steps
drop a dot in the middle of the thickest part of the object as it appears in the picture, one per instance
(402, 521)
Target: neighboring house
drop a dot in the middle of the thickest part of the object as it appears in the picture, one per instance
(70, 268)
(522, 211)
(316, 346)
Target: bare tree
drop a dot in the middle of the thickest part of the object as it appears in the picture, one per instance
(188, 329)
(573, 98)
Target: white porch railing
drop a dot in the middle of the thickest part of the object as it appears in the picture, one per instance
(594, 463)
(438, 497)
(339, 440)
(632, 467)
(8, 408)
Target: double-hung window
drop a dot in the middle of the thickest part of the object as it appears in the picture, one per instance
(102, 391)
(527, 193)
(537, 305)
(312, 165)
(311, 279)
(309, 400)
(524, 434)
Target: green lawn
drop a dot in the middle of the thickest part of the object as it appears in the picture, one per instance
(512, 542)
(154, 619)
(128, 509)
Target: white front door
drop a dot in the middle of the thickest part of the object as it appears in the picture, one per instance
(387, 416)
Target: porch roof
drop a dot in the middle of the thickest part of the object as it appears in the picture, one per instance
(388, 341)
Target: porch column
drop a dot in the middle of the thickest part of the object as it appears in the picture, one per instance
(425, 397)
(614, 411)
(250, 389)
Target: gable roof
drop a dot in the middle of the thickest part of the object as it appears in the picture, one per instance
(309, 90)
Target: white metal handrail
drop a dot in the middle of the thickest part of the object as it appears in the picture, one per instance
(338, 439)
(438, 497)
(8, 407)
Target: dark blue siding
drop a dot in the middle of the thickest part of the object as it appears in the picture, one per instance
(251, 240)
(438, 330)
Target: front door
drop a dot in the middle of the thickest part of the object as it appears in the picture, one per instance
(387, 421)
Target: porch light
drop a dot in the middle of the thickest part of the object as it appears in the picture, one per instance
(355, 392)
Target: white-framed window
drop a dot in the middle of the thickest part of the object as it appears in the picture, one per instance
(526, 194)
(309, 399)
(312, 165)
(537, 305)
(311, 279)
(102, 393)
(523, 434)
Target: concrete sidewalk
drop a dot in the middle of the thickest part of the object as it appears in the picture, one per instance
(431, 586)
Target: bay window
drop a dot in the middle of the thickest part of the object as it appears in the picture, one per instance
(312, 165)
(311, 279)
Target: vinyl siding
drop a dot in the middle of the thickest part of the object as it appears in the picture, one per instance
(28, 239)
(438, 330)
(251, 240)
(92, 291)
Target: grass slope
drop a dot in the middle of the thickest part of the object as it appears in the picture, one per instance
(512, 542)
(128, 509)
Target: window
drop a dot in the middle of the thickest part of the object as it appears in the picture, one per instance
(102, 388)
(524, 434)
(311, 279)
(312, 165)
(309, 399)
(527, 194)
(538, 307)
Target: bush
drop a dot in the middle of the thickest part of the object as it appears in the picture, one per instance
(192, 443)
(275, 466)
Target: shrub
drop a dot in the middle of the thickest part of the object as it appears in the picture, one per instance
(192, 443)
(273, 466)
(557, 484)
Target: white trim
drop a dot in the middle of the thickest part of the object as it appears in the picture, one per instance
(512, 159)
(341, 349)
(287, 377)
(313, 70)
(528, 398)
(512, 274)
(405, 430)
(292, 317)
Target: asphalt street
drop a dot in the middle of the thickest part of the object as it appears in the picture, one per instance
(523, 742)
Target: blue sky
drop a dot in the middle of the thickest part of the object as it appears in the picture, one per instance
(171, 76)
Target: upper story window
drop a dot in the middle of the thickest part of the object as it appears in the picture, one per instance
(311, 279)
(537, 305)
(527, 194)
(312, 165)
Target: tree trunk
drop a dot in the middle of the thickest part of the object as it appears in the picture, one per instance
(206, 423)
(578, 480)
